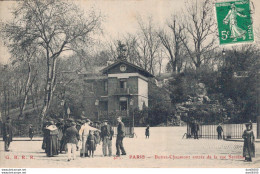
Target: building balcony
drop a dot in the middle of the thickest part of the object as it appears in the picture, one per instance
(106, 114)
(122, 113)
(122, 91)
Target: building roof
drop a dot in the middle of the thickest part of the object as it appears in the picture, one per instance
(141, 70)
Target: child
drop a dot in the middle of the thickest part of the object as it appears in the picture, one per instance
(91, 143)
(97, 135)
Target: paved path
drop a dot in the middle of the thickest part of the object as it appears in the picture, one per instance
(165, 148)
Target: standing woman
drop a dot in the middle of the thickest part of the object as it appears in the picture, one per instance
(249, 145)
(147, 131)
(52, 140)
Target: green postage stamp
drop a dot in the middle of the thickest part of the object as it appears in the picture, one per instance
(234, 22)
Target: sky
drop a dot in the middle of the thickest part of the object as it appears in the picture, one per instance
(120, 15)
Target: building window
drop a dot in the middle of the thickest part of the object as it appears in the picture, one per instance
(123, 105)
(122, 84)
(104, 106)
(105, 86)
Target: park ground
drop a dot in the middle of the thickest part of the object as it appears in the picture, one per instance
(165, 148)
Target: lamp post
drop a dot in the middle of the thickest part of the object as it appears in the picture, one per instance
(131, 104)
(68, 112)
(97, 104)
(62, 103)
(224, 56)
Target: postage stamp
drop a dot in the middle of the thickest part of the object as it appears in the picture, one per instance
(234, 22)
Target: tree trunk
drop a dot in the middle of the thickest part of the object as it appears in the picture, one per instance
(50, 87)
(26, 91)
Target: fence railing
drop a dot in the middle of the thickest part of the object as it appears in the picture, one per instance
(129, 131)
(230, 131)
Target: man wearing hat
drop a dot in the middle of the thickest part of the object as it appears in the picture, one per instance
(60, 126)
(219, 131)
(83, 134)
(67, 124)
(72, 138)
(120, 137)
(106, 137)
(7, 133)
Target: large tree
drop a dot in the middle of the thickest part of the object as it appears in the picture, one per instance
(172, 43)
(53, 27)
(200, 29)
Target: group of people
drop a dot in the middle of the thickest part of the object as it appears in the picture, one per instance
(68, 136)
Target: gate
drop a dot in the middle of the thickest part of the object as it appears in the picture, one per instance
(129, 131)
(230, 131)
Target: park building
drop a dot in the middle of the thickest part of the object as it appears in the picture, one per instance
(115, 90)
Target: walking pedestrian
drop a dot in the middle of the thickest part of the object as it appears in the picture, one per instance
(249, 143)
(7, 133)
(31, 132)
(106, 137)
(72, 138)
(147, 132)
(219, 130)
(120, 137)
(91, 143)
(52, 140)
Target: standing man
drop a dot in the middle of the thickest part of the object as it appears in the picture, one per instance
(72, 138)
(219, 130)
(106, 137)
(196, 129)
(120, 137)
(7, 133)
(83, 133)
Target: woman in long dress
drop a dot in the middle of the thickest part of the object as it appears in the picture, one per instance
(52, 140)
(231, 18)
(249, 145)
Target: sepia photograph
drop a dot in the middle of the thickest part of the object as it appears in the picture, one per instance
(129, 84)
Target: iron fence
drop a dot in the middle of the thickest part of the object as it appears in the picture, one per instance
(230, 131)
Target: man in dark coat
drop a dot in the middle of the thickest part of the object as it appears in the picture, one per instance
(196, 129)
(66, 125)
(60, 126)
(52, 140)
(72, 138)
(219, 130)
(120, 137)
(7, 133)
(31, 132)
(106, 137)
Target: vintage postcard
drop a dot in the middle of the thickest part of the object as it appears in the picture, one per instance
(129, 84)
